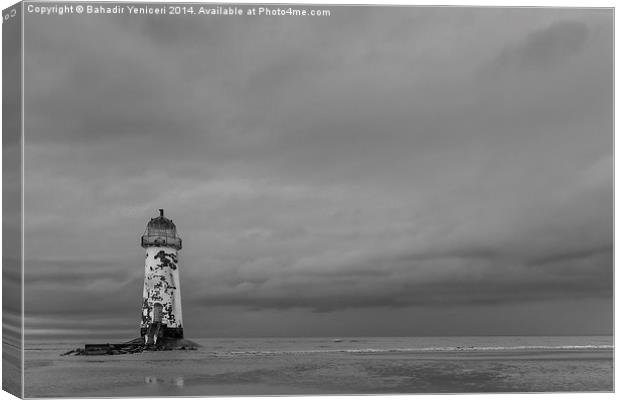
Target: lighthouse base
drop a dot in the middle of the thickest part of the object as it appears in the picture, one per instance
(137, 345)
(165, 332)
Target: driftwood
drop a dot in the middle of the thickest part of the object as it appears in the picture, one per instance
(133, 346)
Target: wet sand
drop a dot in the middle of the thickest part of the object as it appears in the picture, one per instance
(179, 373)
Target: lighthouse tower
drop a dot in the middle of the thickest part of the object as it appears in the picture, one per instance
(161, 304)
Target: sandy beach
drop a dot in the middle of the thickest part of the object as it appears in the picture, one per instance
(321, 371)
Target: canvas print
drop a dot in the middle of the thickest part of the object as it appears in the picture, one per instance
(205, 199)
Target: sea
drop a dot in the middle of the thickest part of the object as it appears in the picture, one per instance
(323, 366)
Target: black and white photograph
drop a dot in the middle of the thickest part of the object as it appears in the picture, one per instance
(254, 199)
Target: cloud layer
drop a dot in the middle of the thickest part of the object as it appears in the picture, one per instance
(404, 161)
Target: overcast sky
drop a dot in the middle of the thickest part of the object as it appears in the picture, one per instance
(382, 171)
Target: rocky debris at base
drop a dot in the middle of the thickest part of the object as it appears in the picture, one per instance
(133, 346)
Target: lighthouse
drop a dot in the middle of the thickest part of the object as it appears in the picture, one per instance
(161, 304)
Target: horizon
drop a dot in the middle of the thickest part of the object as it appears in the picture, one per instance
(331, 338)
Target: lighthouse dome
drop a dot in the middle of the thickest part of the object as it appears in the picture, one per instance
(161, 225)
(161, 231)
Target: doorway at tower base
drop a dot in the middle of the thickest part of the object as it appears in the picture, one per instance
(158, 331)
(137, 345)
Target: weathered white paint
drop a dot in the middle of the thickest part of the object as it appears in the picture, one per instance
(162, 285)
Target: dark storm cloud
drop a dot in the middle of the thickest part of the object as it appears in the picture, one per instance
(89, 300)
(135, 79)
(426, 281)
(75, 272)
(395, 158)
(547, 47)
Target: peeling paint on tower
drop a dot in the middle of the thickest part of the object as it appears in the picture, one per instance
(161, 305)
